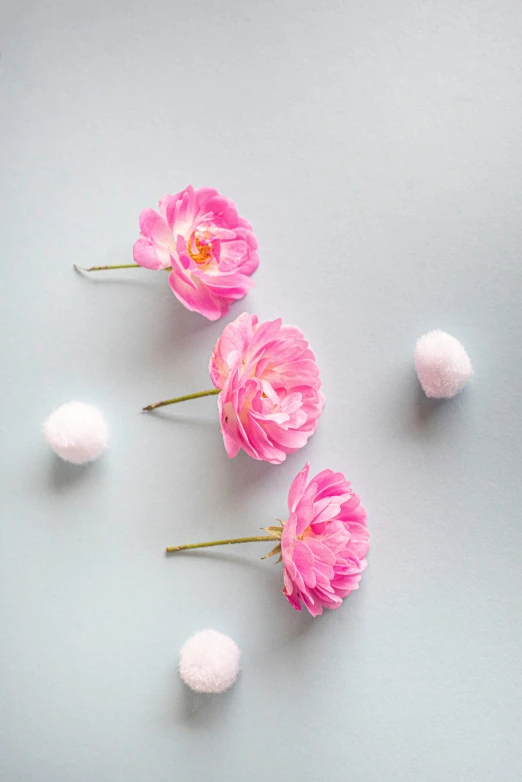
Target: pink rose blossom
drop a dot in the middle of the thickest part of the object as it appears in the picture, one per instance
(212, 251)
(323, 545)
(270, 396)
(324, 542)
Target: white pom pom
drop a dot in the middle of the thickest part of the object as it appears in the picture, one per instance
(442, 365)
(209, 662)
(76, 432)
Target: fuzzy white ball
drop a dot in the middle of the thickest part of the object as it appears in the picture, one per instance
(442, 365)
(76, 432)
(209, 662)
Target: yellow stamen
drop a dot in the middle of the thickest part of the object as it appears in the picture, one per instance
(202, 253)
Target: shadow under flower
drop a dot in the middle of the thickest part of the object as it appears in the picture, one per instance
(176, 321)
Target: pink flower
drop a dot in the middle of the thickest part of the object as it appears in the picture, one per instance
(324, 542)
(270, 396)
(212, 251)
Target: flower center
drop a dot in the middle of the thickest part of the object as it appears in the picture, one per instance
(199, 248)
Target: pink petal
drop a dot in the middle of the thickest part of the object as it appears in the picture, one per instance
(197, 299)
(150, 255)
(154, 227)
(297, 488)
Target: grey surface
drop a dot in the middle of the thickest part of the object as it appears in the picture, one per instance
(375, 147)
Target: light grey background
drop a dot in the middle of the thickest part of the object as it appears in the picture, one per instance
(375, 147)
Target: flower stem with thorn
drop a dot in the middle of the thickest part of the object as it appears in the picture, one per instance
(274, 533)
(110, 268)
(197, 395)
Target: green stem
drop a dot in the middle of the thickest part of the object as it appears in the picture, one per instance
(109, 268)
(177, 399)
(255, 539)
